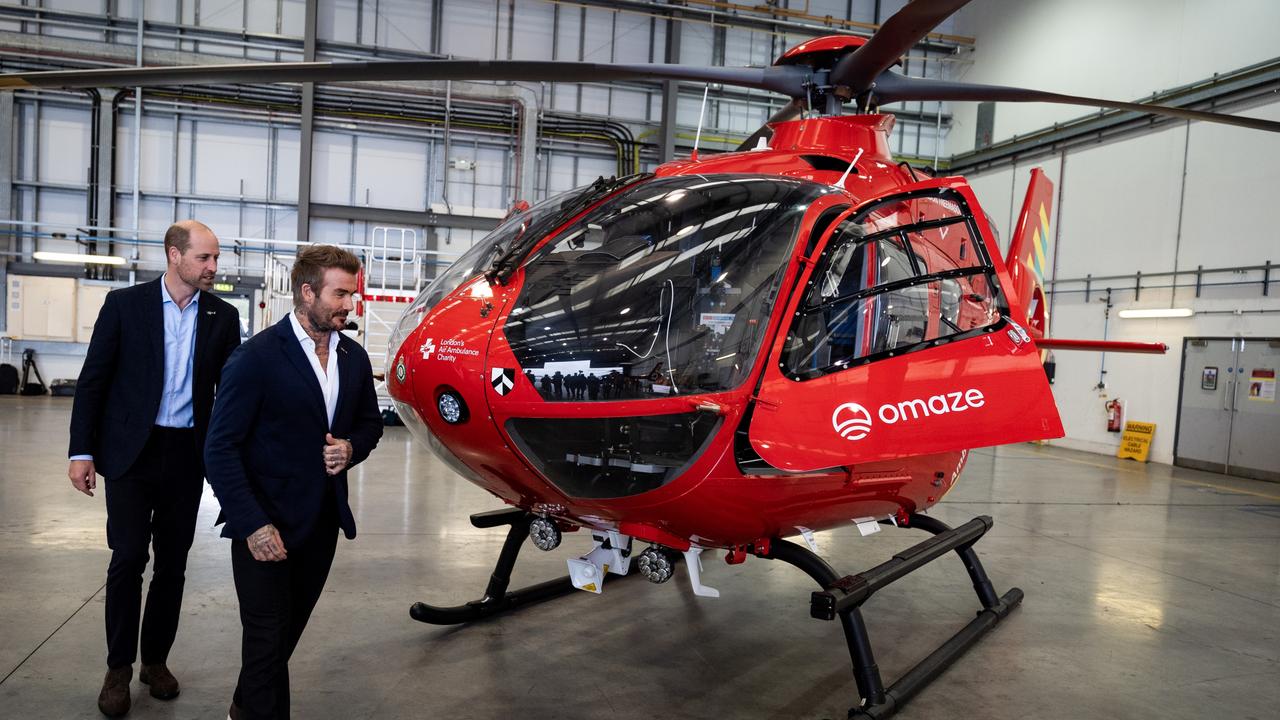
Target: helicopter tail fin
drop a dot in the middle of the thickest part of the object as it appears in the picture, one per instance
(1029, 253)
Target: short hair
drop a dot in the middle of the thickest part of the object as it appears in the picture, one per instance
(311, 264)
(179, 235)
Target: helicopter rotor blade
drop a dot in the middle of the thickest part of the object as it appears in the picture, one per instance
(897, 35)
(891, 87)
(787, 112)
(788, 80)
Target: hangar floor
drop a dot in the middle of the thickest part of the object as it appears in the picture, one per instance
(1150, 592)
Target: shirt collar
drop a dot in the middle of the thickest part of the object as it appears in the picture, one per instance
(166, 297)
(302, 335)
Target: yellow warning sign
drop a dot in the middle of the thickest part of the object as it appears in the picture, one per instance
(1135, 442)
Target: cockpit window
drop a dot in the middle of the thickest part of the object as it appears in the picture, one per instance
(665, 289)
(514, 236)
(903, 275)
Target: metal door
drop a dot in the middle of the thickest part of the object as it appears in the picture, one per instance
(1255, 421)
(1228, 416)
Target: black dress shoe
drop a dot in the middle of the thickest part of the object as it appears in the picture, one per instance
(233, 712)
(114, 701)
(164, 686)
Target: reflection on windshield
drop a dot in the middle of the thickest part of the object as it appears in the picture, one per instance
(665, 289)
(521, 230)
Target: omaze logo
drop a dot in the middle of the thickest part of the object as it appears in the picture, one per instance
(851, 421)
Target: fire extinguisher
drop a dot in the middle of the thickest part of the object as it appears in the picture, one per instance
(1115, 415)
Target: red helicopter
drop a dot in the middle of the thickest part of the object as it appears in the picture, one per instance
(733, 349)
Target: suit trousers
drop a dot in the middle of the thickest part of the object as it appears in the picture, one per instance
(153, 503)
(276, 600)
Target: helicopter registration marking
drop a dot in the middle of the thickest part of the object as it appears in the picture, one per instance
(852, 421)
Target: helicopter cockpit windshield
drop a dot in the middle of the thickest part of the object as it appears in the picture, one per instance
(665, 289)
(509, 240)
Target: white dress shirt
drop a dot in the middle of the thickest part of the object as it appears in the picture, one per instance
(326, 376)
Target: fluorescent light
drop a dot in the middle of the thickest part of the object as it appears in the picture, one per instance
(78, 258)
(1158, 313)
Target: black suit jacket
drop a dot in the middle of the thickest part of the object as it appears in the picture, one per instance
(265, 452)
(119, 388)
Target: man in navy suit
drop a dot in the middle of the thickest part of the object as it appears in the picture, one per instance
(295, 410)
(141, 408)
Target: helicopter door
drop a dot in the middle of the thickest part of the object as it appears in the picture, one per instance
(900, 344)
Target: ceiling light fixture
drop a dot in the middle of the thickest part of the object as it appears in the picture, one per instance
(1157, 313)
(78, 258)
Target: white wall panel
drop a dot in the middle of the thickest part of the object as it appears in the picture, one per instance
(391, 173)
(402, 24)
(64, 144)
(336, 20)
(186, 131)
(631, 39)
(260, 16)
(468, 29)
(695, 43)
(227, 153)
(25, 160)
(157, 152)
(225, 14)
(293, 16)
(629, 105)
(155, 217)
(1228, 215)
(595, 100)
(93, 7)
(534, 24)
(993, 191)
(1120, 206)
(62, 208)
(329, 232)
(331, 168)
(598, 43)
(1101, 48)
(287, 158)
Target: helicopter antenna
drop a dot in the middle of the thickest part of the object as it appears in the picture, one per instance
(845, 176)
(701, 113)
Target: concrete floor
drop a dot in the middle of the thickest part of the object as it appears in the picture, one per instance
(1150, 592)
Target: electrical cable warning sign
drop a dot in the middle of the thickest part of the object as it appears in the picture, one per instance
(1135, 442)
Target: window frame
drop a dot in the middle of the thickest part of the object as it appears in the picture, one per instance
(982, 266)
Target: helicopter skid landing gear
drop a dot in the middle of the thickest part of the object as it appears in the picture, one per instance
(496, 597)
(843, 597)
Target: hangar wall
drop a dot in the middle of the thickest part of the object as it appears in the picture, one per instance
(1100, 48)
(1123, 210)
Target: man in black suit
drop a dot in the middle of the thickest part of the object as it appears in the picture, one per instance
(139, 418)
(295, 410)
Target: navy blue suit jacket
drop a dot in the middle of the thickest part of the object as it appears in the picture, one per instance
(264, 455)
(118, 393)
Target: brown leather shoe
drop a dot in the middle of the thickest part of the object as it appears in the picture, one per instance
(164, 686)
(113, 701)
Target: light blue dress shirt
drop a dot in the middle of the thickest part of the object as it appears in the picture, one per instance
(179, 360)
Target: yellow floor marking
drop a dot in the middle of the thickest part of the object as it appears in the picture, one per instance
(1176, 479)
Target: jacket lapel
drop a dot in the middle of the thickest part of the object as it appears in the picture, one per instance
(297, 357)
(154, 314)
(346, 379)
(206, 316)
